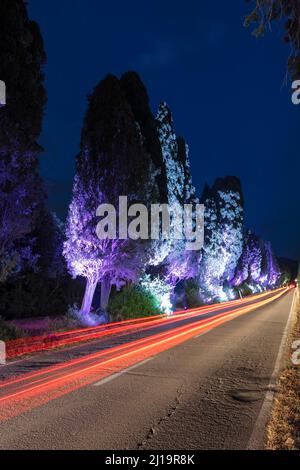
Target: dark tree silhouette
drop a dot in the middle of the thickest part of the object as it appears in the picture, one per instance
(266, 11)
(21, 68)
(138, 99)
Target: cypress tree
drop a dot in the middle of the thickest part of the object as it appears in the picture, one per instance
(112, 162)
(22, 58)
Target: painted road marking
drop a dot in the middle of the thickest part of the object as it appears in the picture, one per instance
(118, 374)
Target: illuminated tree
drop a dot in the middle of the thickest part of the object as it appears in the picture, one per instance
(21, 191)
(112, 162)
(249, 268)
(270, 269)
(173, 262)
(223, 243)
(137, 97)
(174, 167)
(257, 265)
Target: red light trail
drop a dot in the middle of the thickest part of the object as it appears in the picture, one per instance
(24, 346)
(33, 389)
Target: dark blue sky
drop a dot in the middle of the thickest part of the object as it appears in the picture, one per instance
(226, 90)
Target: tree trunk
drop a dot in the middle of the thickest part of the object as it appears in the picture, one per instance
(88, 297)
(105, 293)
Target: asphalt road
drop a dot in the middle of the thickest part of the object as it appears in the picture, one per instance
(169, 387)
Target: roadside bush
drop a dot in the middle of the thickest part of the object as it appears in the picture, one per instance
(33, 295)
(187, 295)
(68, 321)
(75, 319)
(132, 302)
(243, 290)
(192, 294)
(8, 331)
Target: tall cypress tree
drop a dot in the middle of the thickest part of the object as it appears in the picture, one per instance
(21, 68)
(257, 265)
(223, 243)
(176, 262)
(112, 162)
(249, 267)
(180, 189)
(137, 97)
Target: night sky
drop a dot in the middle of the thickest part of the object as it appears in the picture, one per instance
(226, 89)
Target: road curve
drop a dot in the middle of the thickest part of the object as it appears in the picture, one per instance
(166, 387)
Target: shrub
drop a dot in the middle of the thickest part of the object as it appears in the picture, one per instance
(34, 295)
(192, 294)
(132, 302)
(187, 295)
(243, 290)
(69, 321)
(9, 331)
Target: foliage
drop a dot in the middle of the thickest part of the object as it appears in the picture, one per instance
(288, 268)
(21, 60)
(192, 294)
(112, 154)
(160, 289)
(243, 290)
(223, 243)
(49, 245)
(9, 331)
(137, 97)
(257, 265)
(22, 195)
(266, 11)
(249, 267)
(33, 295)
(175, 262)
(133, 302)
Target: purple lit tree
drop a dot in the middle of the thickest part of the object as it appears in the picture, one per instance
(249, 267)
(257, 266)
(112, 162)
(270, 269)
(21, 191)
(172, 261)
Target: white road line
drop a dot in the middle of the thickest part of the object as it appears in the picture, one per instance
(256, 440)
(124, 371)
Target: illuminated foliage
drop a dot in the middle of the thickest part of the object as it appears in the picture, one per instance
(160, 289)
(111, 159)
(174, 262)
(133, 302)
(223, 222)
(21, 191)
(257, 265)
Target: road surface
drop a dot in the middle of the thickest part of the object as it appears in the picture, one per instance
(167, 386)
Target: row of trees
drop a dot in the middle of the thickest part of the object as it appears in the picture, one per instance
(124, 150)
